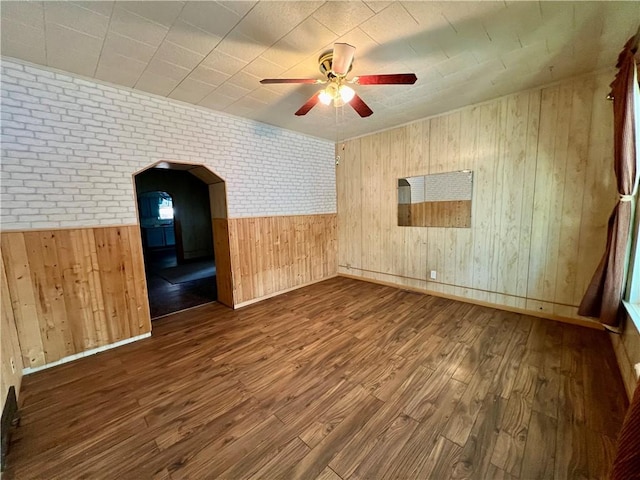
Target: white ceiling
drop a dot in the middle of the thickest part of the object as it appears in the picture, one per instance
(213, 54)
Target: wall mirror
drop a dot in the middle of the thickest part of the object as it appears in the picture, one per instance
(437, 200)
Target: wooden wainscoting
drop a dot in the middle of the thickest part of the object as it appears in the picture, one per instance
(224, 275)
(10, 345)
(72, 290)
(275, 254)
(543, 190)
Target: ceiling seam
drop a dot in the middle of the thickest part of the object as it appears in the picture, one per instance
(44, 28)
(211, 51)
(161, 42)
(104, 40)
(276, 41)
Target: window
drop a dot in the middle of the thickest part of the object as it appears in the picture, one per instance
(165, 208)
(632, 302)
(633, 283)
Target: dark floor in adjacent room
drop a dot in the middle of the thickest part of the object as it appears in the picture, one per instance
(166, 297)
(339, 380)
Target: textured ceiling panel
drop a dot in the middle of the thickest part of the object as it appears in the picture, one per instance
(342, 17)
(213, 54)
(136, 27)
(164, 13)
(210, 17)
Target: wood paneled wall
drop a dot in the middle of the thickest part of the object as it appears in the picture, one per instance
(9, 344)
(71, 290)
(221, 248)
(273, 254)
(543, 190)
(224, 274)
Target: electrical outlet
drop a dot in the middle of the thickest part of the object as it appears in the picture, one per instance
(433, 275)
(13, 365)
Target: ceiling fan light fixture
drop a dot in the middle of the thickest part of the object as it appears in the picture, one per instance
(325, 97)
(346, 93)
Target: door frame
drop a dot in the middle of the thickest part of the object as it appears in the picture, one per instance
(219, 221)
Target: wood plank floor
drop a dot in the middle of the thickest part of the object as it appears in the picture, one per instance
(340, 380)
(166, 297)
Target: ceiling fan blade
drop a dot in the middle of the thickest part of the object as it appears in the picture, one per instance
(359, 106)
(291, 80)
(342, 58)
(391, 79)
(312, 102)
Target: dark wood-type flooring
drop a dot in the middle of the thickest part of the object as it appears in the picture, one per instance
(340, 380)
(166, 297)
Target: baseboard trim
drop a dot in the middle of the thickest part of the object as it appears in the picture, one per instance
(556, 318)
(280, 292)
(93, 351)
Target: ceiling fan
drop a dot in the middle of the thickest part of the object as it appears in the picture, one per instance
(335, 65)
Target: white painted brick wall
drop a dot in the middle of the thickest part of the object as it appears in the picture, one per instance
(70, 147)
(417, 189)
(448, 186)
(441, 187)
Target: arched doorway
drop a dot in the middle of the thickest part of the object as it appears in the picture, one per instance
(182, 216)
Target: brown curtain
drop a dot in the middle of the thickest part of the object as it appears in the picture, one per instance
(604, 294)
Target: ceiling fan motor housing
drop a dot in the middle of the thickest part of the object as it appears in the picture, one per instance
(325, 65)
